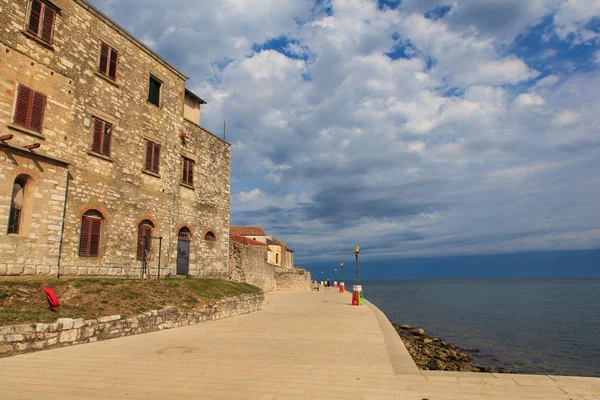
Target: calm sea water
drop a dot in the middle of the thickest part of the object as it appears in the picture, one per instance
(525, 325)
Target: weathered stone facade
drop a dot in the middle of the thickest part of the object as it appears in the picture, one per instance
(65, 178)
(294, 280)
(24, 338)
(249, 264)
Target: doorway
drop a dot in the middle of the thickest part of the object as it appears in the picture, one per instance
(183, 251)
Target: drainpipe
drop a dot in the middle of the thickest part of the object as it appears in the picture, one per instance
(62, 229)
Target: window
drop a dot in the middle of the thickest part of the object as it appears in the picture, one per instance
(102, 137)
(29, 111)
(152, 156)
(41, 20)
(210, 237)
(16, 206)
(109, 58)
(188, 172)
(145, 229)
(89, 239)
(185, 233)
(276, 258)
(154, 91)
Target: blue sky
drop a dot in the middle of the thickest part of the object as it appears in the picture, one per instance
(414, 128)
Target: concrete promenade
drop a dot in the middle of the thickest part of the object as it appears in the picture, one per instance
(303, 346)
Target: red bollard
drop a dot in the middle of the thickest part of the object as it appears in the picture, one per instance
(342, 287)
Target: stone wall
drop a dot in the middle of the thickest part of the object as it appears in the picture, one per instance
(249, 264)
(117, 186)
(298, 279)
(66, 331)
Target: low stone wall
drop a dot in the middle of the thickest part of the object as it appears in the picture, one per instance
(19, 339)
(296, 279)
(249, 264)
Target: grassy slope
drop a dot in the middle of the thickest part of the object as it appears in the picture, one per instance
(22, 299)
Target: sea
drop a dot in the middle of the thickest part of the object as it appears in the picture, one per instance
(535, 326)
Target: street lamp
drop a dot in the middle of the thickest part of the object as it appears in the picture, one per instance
(356, 251)
(342, 284)
(357, 295)
(322, 276)
(335, 281)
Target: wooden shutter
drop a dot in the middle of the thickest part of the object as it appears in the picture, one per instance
(156, 158)
(107, 139)
(185, 171)
(104, 59)
(84, 237)
(48, 24)
(149, 147)
(190, 172)
(37, 112)
(97, 140)
(34, 17)
(143, 230)
(95, 229)
(112, 68)
(24, 99)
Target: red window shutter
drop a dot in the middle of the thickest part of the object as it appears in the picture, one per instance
(84, 237)
(107, 139)
(37, 112)
(114, 58)
(185, 171)
(143, 230)
(48, 24)
(95, 229)
(104, 59)
(24, 99)
(149, 147)
(191, 172)
(156, 158)
(34, 16)
(97, 140)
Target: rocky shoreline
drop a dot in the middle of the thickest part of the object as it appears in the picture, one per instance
(432, 353)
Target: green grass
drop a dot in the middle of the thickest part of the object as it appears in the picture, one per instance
(22, 299)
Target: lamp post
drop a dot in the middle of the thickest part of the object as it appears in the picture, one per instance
(335, 283)
(357, 295)
(342, 284)
(323, 277)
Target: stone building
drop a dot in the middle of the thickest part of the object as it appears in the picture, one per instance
(101, 152)
(278, 253)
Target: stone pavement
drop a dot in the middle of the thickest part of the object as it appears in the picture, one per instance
(304, 345)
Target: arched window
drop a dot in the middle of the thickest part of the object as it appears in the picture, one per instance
(185, 233)
(277, 258)
(145, 228)
(89, 238)
(210, 236)
(16, 205)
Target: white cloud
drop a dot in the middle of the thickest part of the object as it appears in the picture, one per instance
(529, 99)
(572, 18)
(567, 117)
(549, 80)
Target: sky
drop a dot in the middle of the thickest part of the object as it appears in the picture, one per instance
(413, 128)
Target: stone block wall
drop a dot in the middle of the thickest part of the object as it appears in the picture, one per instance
(298, 279)
(117, 186)
(249, 264)
(24, 338)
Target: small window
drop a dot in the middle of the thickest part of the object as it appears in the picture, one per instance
(89, 238)
(210, 236)
(144, 242)
(102, 138)
(185, 233)
(41, 20)
(109, 58)
(152, 156)
(30, 107)
(276, 258)
(16, 206)
(188, 172)
(154, 91)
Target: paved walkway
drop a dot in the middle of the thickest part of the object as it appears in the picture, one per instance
(305, 345)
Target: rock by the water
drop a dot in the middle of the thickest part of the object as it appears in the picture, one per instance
(427, 341)
(418, 332)
(405, 326)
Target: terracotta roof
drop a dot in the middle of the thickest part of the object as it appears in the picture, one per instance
(247, 241)
(247, 231)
